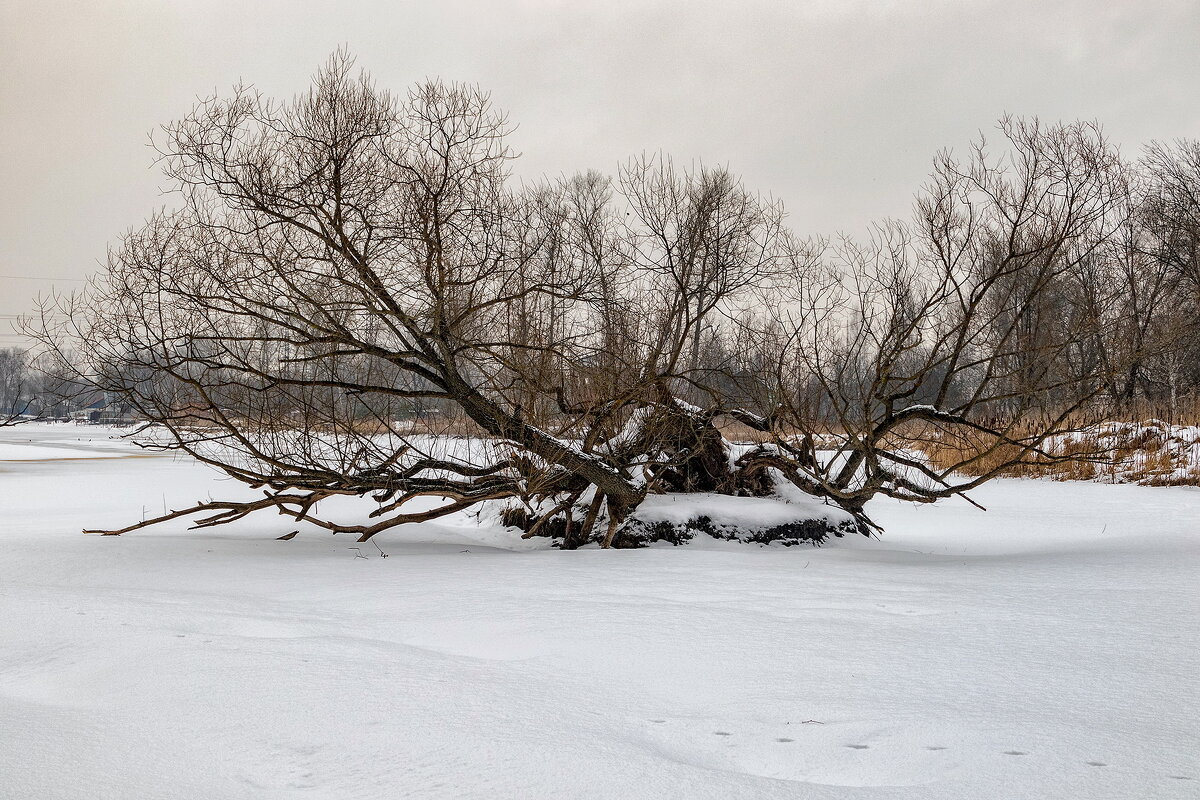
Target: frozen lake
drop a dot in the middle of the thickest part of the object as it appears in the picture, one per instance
(1045, 649)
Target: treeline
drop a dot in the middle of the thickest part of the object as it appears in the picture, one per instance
(32, 389)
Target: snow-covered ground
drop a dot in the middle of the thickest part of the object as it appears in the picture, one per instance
(1044, 649)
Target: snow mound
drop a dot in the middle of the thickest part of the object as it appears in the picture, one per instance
(679, 518)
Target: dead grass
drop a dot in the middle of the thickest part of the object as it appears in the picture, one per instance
(1140, 443)
(1149, 452)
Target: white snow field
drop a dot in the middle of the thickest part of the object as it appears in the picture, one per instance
(1044, 649)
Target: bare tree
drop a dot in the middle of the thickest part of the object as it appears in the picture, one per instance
(1172, 214)
(1168, 255)
(952, 332)
(351, 278)
(334, 258)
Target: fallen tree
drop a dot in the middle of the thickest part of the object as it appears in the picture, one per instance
(354, 299)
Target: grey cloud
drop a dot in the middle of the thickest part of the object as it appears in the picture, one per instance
(834, 107)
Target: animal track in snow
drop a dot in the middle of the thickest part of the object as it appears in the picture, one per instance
(855, 753)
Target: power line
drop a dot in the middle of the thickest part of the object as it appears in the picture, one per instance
(39, 278)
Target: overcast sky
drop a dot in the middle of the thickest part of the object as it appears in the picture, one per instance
(834, 107)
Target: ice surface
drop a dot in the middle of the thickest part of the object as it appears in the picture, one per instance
(1044, 649)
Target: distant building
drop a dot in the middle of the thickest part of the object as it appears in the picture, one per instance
(103, 412)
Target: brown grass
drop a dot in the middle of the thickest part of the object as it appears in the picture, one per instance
(1110, 451)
